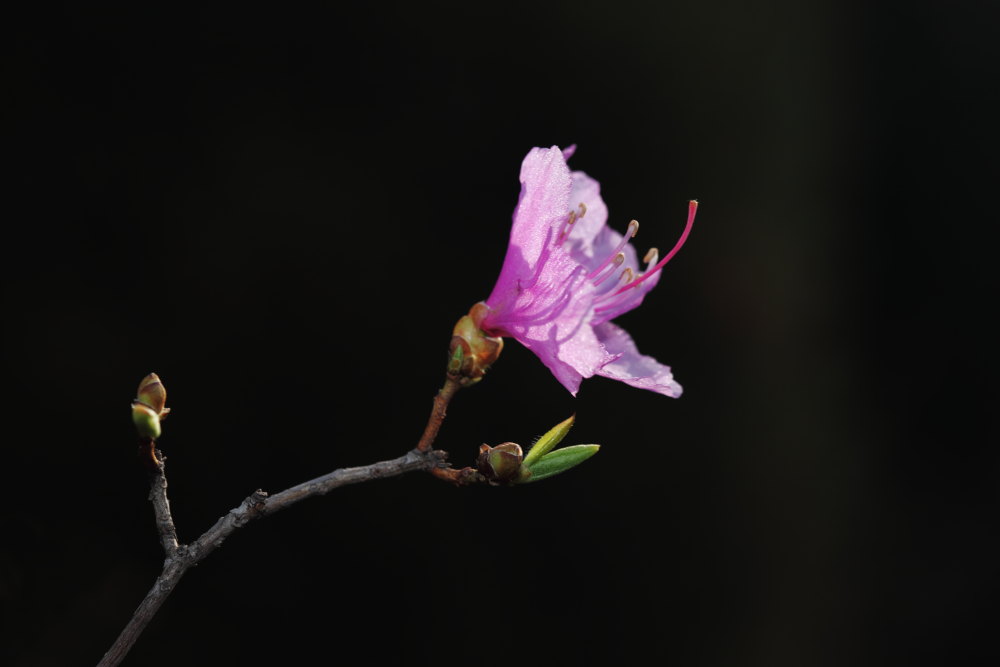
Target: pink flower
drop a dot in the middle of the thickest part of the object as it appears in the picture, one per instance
(567, 275)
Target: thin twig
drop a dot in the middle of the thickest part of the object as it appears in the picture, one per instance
(161, 507)
(181, 557)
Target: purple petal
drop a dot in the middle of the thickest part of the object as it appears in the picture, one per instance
(533, 251)
(550, 316)
(630, 366)
(542, 205)
(570, 358)
(585, 230)
(543, 298)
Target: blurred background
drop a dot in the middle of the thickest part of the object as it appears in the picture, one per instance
(283, 212)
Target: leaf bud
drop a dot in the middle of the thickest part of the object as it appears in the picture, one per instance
(149, 407)
(153, 394)
(500, 464)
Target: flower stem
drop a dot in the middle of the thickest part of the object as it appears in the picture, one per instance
(438, 413)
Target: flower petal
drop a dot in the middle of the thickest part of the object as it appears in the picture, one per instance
(630, 366)
(541, 209)
(542, 204)
(571, 359)
(584, 231)
(550, 316)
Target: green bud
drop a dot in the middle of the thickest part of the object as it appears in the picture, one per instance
(500, 464)
(559, 461)
(149, 407)
(146, 421)
(547, 442)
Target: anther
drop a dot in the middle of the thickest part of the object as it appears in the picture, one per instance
(564, 232)
(651, 256)
(583, 209)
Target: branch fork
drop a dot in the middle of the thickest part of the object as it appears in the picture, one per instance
(180, 557)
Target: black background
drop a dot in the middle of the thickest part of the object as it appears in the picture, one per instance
(283, 212)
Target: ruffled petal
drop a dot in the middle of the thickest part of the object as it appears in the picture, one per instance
(631, 367)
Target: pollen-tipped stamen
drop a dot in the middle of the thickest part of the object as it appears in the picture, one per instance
(692, 210)
(633, 229)
(602, 301)
(567, 225)
(615, 263)
(571, 218)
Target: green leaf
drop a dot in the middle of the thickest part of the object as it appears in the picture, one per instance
(545, 444)
(560, 460)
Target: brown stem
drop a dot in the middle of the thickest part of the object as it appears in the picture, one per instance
(458, 476)
(173, 570)
(438, 413)
(161, 507)
(180, 557)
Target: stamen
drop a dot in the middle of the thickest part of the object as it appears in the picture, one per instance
(692, 210)
(573, 217)
(567, 225)
(615, 263)
(651, 256)
(633, 229)
(601, 301)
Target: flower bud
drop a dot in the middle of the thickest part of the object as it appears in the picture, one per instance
(472, 351)
(500, 464)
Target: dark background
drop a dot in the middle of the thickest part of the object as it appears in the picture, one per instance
(283, 213)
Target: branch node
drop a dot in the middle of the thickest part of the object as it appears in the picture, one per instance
(458, 476)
